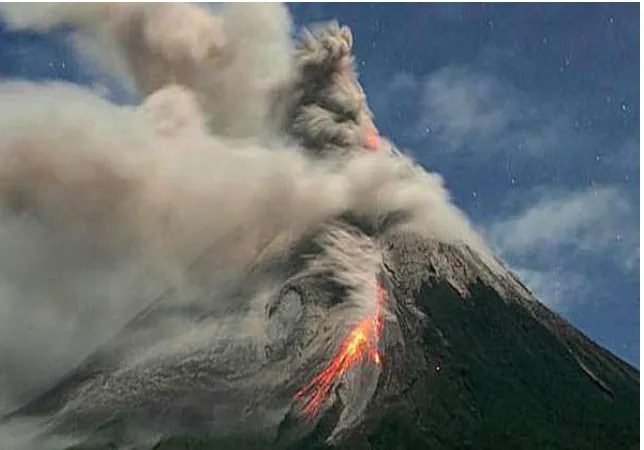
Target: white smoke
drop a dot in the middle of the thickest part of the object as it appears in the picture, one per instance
(106, 207)
(236, 62)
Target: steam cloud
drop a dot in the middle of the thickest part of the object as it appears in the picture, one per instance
(199, 196)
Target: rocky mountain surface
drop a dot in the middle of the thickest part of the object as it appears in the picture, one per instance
(477, 362)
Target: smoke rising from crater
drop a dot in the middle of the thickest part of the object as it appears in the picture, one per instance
(106, 208)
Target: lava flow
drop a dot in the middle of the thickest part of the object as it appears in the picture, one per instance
(361, 344)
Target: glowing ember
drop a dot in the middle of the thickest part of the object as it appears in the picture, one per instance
(361, 344)
(372, 139)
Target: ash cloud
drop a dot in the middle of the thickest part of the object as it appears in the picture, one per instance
(233, 157)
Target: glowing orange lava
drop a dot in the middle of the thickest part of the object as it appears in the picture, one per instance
(372, 139)
(360, 344)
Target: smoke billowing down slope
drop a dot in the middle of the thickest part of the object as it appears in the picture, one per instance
(233, 258)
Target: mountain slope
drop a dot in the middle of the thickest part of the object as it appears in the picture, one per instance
(476, 362)
(482, 364)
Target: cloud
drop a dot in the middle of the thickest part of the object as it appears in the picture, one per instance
(551, 241)
(460, 109)
(591, 221)
(460, 106)
(625, 157)
(560, 290)
(402, 81)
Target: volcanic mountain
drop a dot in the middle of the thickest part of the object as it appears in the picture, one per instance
(369, 329)
(477, 362)
(480, 363)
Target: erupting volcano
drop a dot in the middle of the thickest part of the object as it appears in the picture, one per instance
(197, 264)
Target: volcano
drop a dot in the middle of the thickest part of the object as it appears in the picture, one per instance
(474, 361)
(379, 322)
(477, 362)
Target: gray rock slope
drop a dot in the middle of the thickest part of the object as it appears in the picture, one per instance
(480, 363)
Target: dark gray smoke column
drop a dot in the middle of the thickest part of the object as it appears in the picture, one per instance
(331, 112)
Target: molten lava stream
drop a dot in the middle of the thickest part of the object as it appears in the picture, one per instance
(361, 344)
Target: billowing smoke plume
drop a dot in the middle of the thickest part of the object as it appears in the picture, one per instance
(235, 62)
(173, 229)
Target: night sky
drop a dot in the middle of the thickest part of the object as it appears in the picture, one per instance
(530, 112)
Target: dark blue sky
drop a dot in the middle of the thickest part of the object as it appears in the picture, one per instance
(529, 111)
